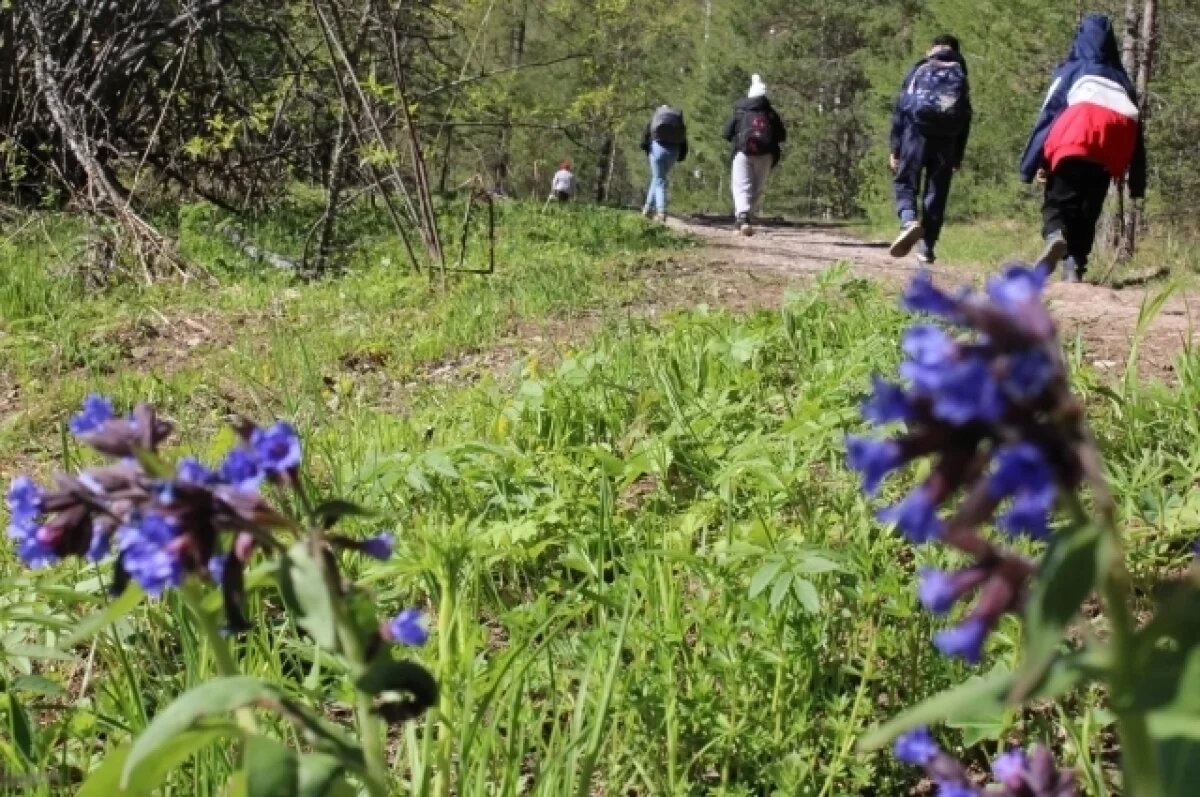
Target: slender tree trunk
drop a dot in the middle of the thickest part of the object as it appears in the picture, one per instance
(1116, 233)
(604, 166)
(1134, 220)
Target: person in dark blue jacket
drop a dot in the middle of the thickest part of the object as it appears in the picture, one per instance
(1087, 135)
(930, 126)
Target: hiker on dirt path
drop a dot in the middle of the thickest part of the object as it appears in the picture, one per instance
(665, 143)
(930, 126)
(1087, 135)
(562, 186)
(755, 132)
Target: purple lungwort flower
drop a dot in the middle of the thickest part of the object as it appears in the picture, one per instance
(97, 410)
(1009, 769)
(1015, 287)
(1028, 374)
(277, 447)
(951, 789)
(1029, 514)
(874, 459)
(379, 547)
(1018, 467)
(31, 548)
(99, 546)
(964, 641)
(193, 471)
(407, 628)
(888, 402)
(967, 391)
(915, 516)
(939, 590)
(916, 747)
(241, 469)
(922, 297)
(927, 345)
(24, 499)
(216, 567)
(148, 555)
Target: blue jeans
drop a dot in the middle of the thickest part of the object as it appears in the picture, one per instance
(933, 160)
(662, 158)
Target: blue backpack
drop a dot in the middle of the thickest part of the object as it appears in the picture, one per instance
(936, 99)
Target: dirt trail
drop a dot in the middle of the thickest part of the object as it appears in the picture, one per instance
(1104, 318)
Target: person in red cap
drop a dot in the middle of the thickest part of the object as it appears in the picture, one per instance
(562, 187)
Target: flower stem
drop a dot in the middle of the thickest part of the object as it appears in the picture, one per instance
(222, 655)
(1139, 760)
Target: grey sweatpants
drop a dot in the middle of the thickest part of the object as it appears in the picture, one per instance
(749, 181)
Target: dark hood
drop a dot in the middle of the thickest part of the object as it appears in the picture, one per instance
(1095, 42)
(947, 54)
(752, 104)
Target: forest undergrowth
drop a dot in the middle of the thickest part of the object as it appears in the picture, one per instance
(646, 566)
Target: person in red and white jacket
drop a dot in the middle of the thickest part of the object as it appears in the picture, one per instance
(1088, 134)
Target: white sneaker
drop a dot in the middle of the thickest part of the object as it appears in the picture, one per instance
(910, 233)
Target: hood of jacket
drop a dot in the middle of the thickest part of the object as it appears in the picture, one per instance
(752, 104)
(1096, 42)
(946, 54)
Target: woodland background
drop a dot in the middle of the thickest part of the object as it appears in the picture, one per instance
(125, 108)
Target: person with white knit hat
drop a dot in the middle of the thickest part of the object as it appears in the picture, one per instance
(755, 133)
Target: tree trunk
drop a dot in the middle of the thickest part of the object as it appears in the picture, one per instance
(604, 166)
(1115, 228)
(1134, 221)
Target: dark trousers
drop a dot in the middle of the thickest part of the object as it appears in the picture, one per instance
(933, 160)
(1075, 193)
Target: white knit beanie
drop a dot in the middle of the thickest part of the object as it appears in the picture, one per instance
(757, 87)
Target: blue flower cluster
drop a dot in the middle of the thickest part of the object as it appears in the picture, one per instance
(983, 393)
(1015, 773)
(162, 530)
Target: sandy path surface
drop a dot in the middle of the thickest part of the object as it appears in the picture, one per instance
(1104, 318)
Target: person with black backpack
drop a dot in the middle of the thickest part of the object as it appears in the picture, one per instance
(930, 126)
(755, 132)
(665, 144)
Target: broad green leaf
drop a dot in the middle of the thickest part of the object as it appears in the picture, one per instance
(96, 623)
(19, 729)
(993, 689)
(330, 512)
(36, 684)
(1069, 573)
(217, 697)
(36, 652)
(1178, 746)
(1169, 655)
(406, 688)
(322, 776)
(105, 780)
(806, 593)
(272, 770)
(302, 584)
(764, 576)
(780, 590)
(814, 564)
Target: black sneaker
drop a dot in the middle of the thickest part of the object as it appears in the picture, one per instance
(910, 233)
(925, 255)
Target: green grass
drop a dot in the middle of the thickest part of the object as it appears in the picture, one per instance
(650, 571)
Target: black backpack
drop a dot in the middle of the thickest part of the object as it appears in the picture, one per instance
(756, 134)
(666, 127)
(936, 98)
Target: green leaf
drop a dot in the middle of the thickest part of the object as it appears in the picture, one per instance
(36, 684)
(322, 776)
(959, 702)
(272, 770)
(806, 593)
(302, 584)
(968, 699)
(105, 780)
(20, 730)
(764, 576)
(780, 590)
(216, 697)
(96, 623)
(1069, 573)
(1178, 746)
(330, 512)
(1168, 651)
